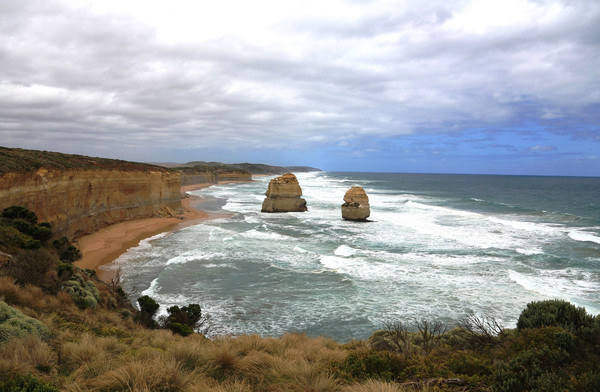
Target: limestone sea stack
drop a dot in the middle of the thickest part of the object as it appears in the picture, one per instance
(283, 195)
(356, 206)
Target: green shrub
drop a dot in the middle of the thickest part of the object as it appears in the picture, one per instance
(534, 370)
(31, 244)
(380, 365)
(22, 225)
(20, 212)
(181, 329)
(66, 251)
(189, 315)
(15, 324)
(25, 384)
(64, 269)
(148, 305)
(41, 233)
(84, 293)
(554, 313)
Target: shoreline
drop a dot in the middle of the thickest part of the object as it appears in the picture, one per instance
(106, 245)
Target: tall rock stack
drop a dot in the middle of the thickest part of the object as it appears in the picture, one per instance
(356, 206)
(283, 195)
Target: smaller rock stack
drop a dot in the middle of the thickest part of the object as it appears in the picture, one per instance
(356, 206)
(283, 195)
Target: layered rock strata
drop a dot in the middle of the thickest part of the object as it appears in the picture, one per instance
(356, 206)
(283, 195)
(79, 201)
(213, 178)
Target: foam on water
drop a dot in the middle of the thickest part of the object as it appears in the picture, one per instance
(344, 251)
(584, 237)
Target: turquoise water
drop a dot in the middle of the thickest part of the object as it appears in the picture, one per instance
(439, 247)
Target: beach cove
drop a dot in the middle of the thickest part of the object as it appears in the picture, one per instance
(104, 246)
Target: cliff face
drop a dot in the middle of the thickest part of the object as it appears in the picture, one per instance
(78, 201)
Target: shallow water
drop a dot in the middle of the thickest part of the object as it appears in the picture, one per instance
(439, 247)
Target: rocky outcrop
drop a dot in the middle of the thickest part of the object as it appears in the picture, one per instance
(283, 195)
(78, 201)
(356, 206)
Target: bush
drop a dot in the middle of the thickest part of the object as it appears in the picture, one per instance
(534, 370)
(25, 384)
(33, 266)
(66, 251)
(64, 269)
(15, 324)
(148, 305)
(554, 313)
(181, 329)
(380, 365)
(84, 293)
(20, 212)
(189, 315)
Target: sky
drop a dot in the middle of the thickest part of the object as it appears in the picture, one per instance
(481, 87)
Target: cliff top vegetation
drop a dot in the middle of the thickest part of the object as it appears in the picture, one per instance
(20, 160)
(215, 168)
(254, 168)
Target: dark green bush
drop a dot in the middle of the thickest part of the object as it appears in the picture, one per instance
(64, 270)
(554, 313)
(189, 315)
(25, 384)
(31, 244)
(66, 251)
(534, 370)
(41, 233)
(380, 365)
(22, 225)
(148, 305)
(20, 212)
(181, 329)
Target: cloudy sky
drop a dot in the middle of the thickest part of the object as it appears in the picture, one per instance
(503, 87)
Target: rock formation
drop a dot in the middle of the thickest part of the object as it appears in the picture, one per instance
(356, 206)
(283, 195)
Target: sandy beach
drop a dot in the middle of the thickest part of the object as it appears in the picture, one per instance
(104, 246)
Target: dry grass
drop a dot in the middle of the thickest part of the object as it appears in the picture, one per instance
(28, 296)
(158, 374)
(27, 355)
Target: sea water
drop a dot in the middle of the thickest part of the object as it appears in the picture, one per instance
(438, 248)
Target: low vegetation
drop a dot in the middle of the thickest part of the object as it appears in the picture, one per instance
(22, 160)
(63, 330)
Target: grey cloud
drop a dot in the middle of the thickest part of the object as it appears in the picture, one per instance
(107, 78)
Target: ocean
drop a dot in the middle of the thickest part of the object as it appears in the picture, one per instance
(438, 248)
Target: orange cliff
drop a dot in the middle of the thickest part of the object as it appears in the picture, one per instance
(80, 195)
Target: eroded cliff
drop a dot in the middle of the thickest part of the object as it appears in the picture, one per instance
(79, 195)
